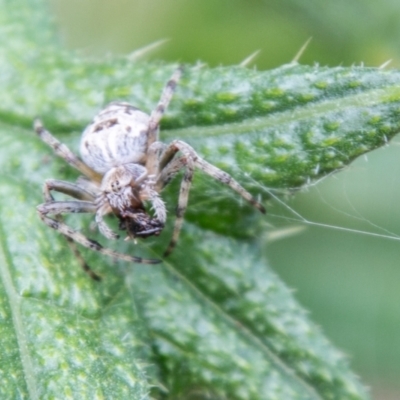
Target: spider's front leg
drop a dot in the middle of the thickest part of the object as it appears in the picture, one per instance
(73, 190)
(188, 161)
(57, 208)
(158, 112)
(68, 188)
(168, 168)
(215, 172)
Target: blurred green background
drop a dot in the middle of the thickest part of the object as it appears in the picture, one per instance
(350, 281)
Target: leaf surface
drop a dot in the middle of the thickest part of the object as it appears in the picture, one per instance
(212, 320)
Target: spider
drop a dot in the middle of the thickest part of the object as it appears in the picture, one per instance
(124, 167)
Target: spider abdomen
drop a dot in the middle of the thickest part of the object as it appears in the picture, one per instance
(117, 136)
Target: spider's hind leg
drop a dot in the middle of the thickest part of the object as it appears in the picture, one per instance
(63, 151)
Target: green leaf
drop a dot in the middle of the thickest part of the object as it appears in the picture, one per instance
(213, 318)
(212, 321)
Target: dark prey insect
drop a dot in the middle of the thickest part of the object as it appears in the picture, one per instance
(125, 167)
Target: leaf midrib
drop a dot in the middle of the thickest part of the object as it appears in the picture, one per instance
(367, 98)
(249, 334)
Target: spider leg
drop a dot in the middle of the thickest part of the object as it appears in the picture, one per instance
(89, 186)
(102, 208)
(63, 151)
(158, 112)
(153, 156)
(168, 174)
(62, 207)
(225, 178)
(66, 207)
(68, 188)
(217, 173)
(182, 199)
(79, 192)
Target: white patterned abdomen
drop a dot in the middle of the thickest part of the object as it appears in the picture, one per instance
(117, 136)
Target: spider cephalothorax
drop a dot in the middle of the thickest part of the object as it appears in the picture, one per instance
(123, 191)
(125, 167)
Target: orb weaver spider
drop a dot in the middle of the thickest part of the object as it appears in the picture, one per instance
(125, 165)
